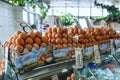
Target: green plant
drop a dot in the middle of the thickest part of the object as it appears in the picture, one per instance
(43, 9)
(22, 2)
(67, 19)
(114, 13)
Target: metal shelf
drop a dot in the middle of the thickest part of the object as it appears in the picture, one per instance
(47, 70)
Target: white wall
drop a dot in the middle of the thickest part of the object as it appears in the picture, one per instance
(8, 16)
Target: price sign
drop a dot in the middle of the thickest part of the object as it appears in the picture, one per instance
(79, 57)
(77, 38)
(77, 23)
(97, 54)
(54, 77)
(112, 47)
(25, 27)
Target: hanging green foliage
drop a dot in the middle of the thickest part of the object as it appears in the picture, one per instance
(114, 13)
(43, 9)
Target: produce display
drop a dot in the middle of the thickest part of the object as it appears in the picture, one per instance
(33, 49)
(60, 38)
(25, 43)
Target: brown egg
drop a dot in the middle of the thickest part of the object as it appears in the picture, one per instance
(80, 31)
(70, 36)
(36, 46)
(49, 35)
(37, 40)
(50, 44)
(64, 35)
(17, 33)
(73, 76)
(81, 36)
(37, 34)
(69, 40)
(43, 44)
(64, 40)
(46, 34)
(53, 41)
(69, 45)
(58, 46)
(59, 30)
(29, 40)
(80, 45)
(10, 40)
(64, 45)
(54, 29)
(22, 35)
(74, 40)
(65, 30)
(58, 41)
(44, 39)
(69, 78)
(75, 31)
(29, 47)
(31, 34)
(74, 44)
(20, 41)
(49, 30)
(19, 48)
(14, 40)
(53, 34)
(58, 35)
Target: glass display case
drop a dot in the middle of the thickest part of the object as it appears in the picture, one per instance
(108, 69)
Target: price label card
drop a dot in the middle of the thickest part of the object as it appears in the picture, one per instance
(24, 26)
(54, 77)
(77, 23)
(79, 57)
(76, 37)
(112, 47)
(97, 54)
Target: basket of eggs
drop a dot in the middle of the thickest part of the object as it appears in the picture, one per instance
(28, 51)
(62, 42)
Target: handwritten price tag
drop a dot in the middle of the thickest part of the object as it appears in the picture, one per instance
(79, 58)
(54, 77)
(25, 27)
(97, 54)
(112, 47)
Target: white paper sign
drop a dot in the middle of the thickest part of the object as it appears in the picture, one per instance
(97, 54)
(54, 77)
(24, 26)
(112, 47)
(78, 58)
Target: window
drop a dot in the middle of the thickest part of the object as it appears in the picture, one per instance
(73, 11)
(59, 11)
(84, 11)
(96, 12)
(25, 17)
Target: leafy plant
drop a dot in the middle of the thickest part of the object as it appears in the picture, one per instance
(114, 13)
(67, 19)
(43, 9)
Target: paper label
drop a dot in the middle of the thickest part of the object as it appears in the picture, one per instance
(117, 43)
(54, 77)
(97, 54)
(24, 26)
(78, 58)
(112, 47)
(88, 51)
(64, 53)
